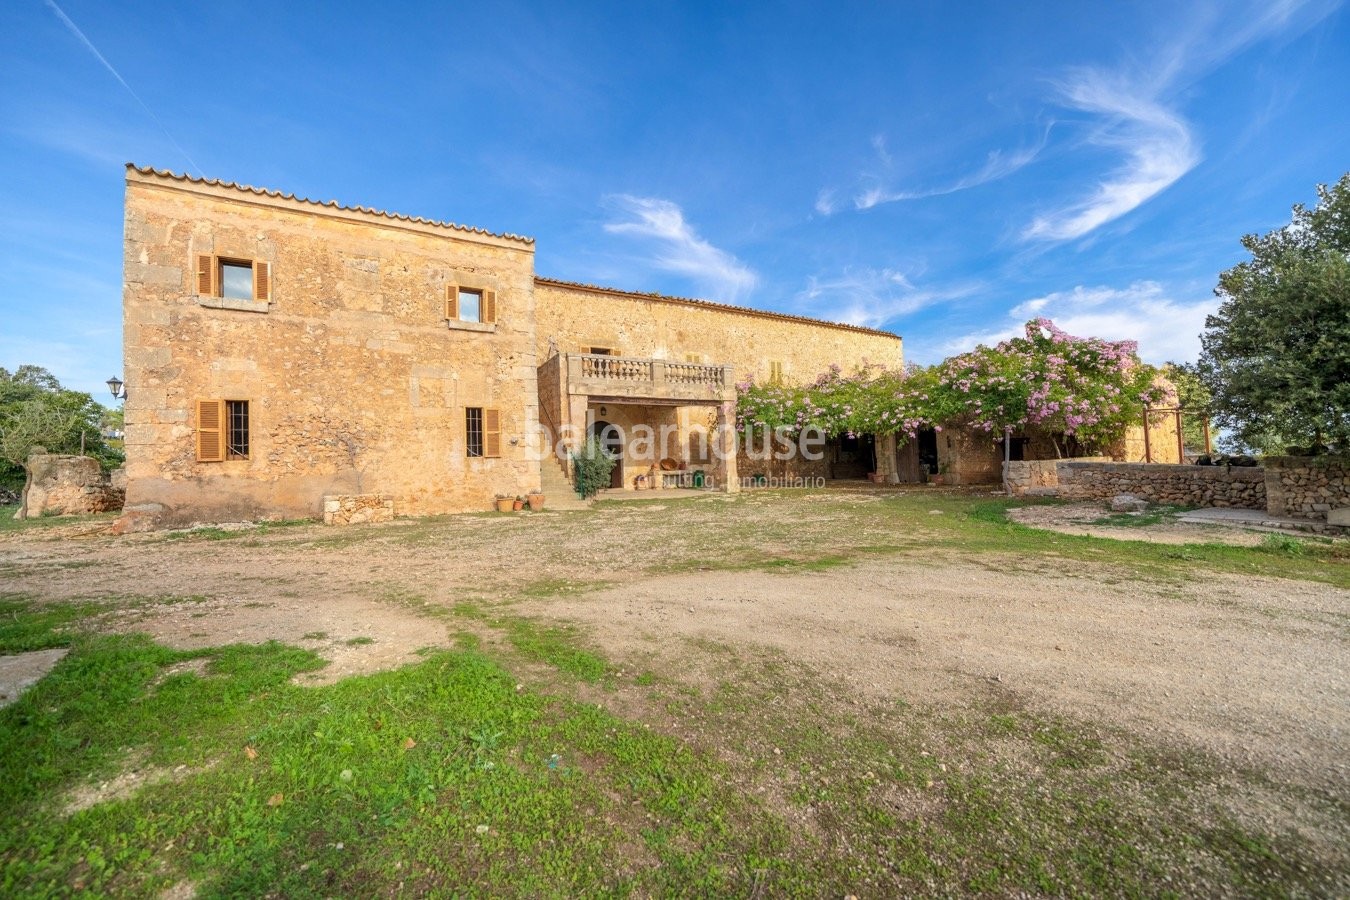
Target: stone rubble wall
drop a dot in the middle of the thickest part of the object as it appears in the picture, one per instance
(357, 509)
(1307, 487)
(1172, 485)
(68, 485)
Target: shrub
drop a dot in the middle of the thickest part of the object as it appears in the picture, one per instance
(591, 468)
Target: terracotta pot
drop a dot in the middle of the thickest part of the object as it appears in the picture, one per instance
(518, 505)
(504, 504)
(536, 501)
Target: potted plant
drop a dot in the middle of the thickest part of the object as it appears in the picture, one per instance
(505, 502)
(536, 500)
(518, 504)
(939, 477)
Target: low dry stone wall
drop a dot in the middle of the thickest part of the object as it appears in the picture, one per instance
(1172, 485)
(1307, 487)
(68, 486)
(1035, 476)
(357, 509)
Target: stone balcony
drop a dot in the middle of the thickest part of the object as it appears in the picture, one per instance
(639, 378)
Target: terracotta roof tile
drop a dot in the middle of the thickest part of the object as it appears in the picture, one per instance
(331, 204)
(713, 305)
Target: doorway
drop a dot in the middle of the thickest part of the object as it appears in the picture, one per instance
(611, 439)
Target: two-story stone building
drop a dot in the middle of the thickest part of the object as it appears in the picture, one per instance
(279, 350)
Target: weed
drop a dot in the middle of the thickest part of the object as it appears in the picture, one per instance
(1284, 545)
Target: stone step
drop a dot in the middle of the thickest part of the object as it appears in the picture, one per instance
(558, 491)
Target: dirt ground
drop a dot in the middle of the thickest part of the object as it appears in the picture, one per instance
(1255, 671)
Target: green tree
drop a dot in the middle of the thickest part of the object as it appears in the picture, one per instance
(36, 411)
(1277, 353)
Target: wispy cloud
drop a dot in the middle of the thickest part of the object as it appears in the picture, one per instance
(827, 202)
(679, 247)
(89, 45)
(1156, 142)
(1165, 327)
(997, 165)
(872, 297)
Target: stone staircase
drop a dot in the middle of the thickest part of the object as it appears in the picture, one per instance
(558, 491)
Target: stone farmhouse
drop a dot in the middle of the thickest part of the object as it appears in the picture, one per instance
(279, 350)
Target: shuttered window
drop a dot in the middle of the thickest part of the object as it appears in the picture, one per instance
(775, 372)
(482, 432)
(464, 304)
(233, 279)
(222, 430)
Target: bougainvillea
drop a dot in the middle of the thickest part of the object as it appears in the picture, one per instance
(1087, 388)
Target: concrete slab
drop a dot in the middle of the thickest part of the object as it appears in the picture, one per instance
(1257, 519)
(23, 670)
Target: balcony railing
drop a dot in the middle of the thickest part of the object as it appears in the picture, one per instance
(638, 376)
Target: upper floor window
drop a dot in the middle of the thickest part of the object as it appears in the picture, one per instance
(232, 278)
(465, 304)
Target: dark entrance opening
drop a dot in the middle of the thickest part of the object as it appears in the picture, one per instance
(928, 456)
(853, 456)
(611, 438)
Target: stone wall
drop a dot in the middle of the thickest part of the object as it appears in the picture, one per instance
(356, 381)
(357, 509)
(67, 485)
(1161, 483)
(1023, 476)
(1307, 487)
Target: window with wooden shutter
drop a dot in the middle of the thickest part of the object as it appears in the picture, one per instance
(775, 372)
(489, 306)
(492, 433)
(206, 271)
(262, 281)
(452, 301)
(210, 431)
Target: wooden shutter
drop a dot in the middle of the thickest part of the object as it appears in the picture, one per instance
(489, 310)
(210, 431)
(262, 281)
(492, 432)
(776, 372)
(452, 301)
(206, 272)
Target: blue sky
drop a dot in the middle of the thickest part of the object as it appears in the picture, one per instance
(941, 170)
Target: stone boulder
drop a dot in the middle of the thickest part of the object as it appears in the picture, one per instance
(67, 485)
(1127, 503)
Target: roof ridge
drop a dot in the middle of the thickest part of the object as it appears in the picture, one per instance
(750, 310)
(331, 204)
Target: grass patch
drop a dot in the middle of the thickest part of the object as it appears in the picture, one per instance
(9, 524)
(438, 776)
(26, 625)
(445, 777)
(558, 646)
